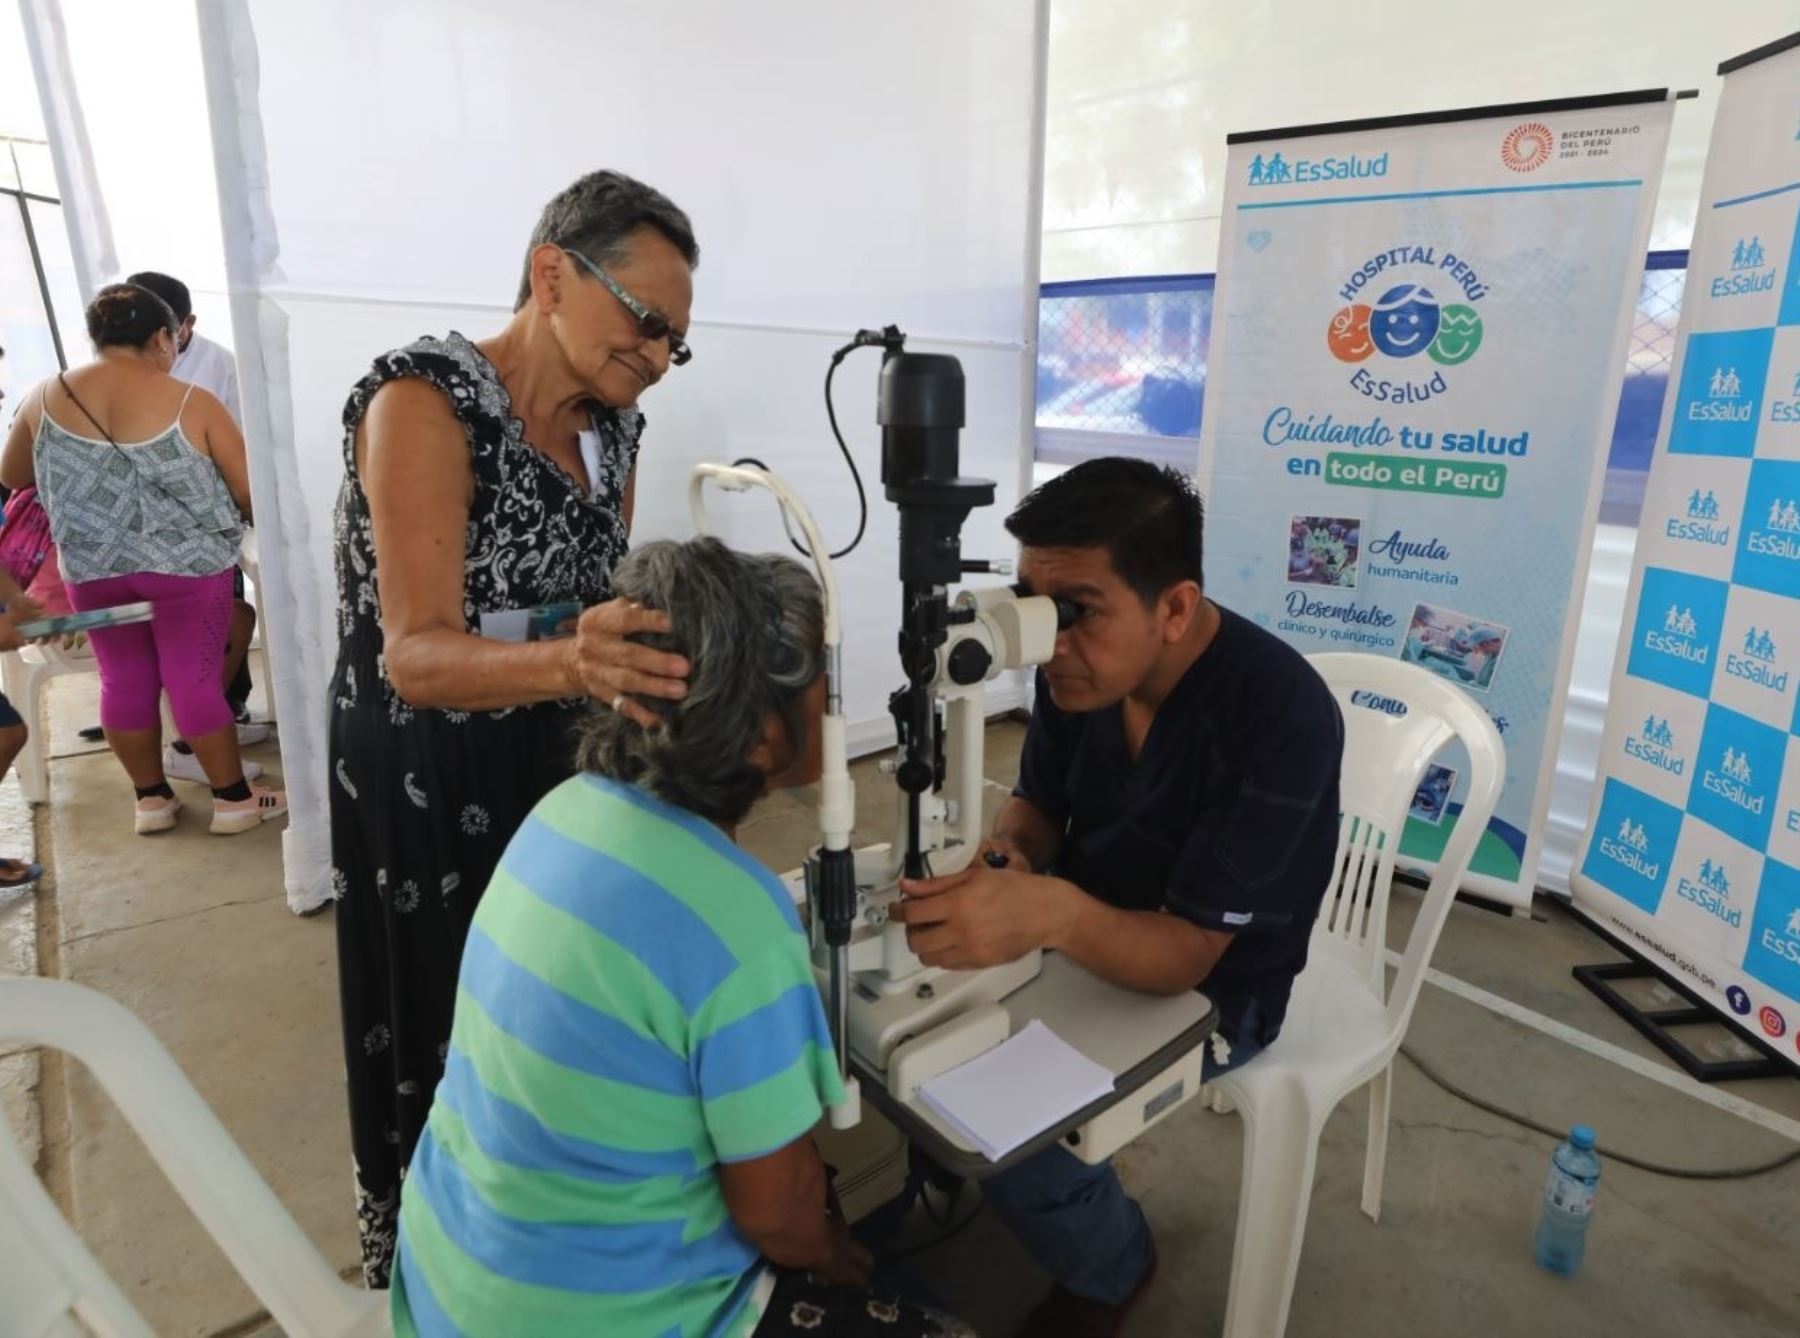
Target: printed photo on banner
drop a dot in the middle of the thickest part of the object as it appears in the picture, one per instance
(1464, 649)
(1322, 550)
(1433, 795)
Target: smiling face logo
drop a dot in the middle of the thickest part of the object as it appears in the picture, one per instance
(1348, 334)
(1458, 336)
(1405, 321)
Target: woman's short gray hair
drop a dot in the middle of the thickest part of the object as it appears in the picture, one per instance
(596, 215)
(752, 628)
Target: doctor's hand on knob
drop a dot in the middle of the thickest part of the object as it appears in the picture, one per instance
(984, 916)
(605, 661)
(999, 853)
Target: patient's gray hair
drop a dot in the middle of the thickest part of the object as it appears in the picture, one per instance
(752, 628)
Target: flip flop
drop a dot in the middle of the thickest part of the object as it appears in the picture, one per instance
(26, 874)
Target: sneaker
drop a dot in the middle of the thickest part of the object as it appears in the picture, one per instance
(231, 816)
(251, 734)
(186, 767)
(155, 814)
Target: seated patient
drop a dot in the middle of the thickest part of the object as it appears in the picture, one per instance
(620, 1143)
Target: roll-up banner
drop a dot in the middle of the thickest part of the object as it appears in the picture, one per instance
(1693, 848)
(1419, 335)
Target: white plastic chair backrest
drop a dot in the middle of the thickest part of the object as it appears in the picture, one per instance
(48, 1279)
(62, 661)
(47, 1273)
(1397, 718)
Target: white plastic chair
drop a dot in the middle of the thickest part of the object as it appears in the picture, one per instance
(27, 672)
(250, 559)
(1344, 1023)
(51, 1283)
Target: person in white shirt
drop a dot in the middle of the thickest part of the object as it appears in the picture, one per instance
(201, 362)
(198, 360)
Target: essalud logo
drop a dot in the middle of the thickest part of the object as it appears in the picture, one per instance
(1632, 834)
(1747, 254)
(1655, 744)
(1784, 944)
(1784, 516)
(1710, 890)
(1680, 622)
(1733, 780)
(1759, 646)
(1703, 522)
(1629, 847)
(1703, 508)
(1750, 271)
(1277, 169)
(1756, 663)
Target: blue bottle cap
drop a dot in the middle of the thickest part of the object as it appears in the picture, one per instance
(1582, 1137)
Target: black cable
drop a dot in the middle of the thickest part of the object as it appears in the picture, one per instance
(941, 1238)
(1654, 1168)
(862, 497)
(949, 1208)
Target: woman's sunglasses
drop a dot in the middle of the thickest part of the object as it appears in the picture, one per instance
(652, 325)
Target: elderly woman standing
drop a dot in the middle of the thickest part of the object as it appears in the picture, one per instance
(482, 477)
(620, 1144)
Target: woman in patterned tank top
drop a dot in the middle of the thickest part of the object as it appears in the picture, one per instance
(482, 477)
(144, 483)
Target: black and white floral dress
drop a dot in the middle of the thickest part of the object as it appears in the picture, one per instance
(423, 802)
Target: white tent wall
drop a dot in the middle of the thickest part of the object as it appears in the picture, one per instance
(125, 111)
(380, 168)
(1143, 92)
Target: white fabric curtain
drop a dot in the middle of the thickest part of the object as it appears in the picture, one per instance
(380, 168)
(83, 207)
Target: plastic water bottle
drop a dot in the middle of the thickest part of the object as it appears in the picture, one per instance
(1568, 1203)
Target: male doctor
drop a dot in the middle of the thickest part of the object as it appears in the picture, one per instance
(1173, 829)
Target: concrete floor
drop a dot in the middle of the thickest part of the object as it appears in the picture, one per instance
(194, 935)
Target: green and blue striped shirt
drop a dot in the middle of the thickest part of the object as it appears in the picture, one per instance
(636, 1006)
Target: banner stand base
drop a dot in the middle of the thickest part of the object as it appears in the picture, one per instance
(1660, 1026)
(1419, 882)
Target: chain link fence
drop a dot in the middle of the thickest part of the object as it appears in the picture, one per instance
(1122, 370)
(1648, 359)
(1124, 356)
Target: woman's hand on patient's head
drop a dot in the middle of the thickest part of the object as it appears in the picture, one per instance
(605, 664)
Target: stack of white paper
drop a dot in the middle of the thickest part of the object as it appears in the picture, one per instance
(1016, 1090)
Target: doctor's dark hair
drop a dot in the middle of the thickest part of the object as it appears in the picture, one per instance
(597, 215)
(752, 628)
(122, 315)
(171, 290)
(1147, 517)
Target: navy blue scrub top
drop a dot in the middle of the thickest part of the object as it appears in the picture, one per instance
(1228, 817)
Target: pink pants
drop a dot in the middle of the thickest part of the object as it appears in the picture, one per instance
(181, 650)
